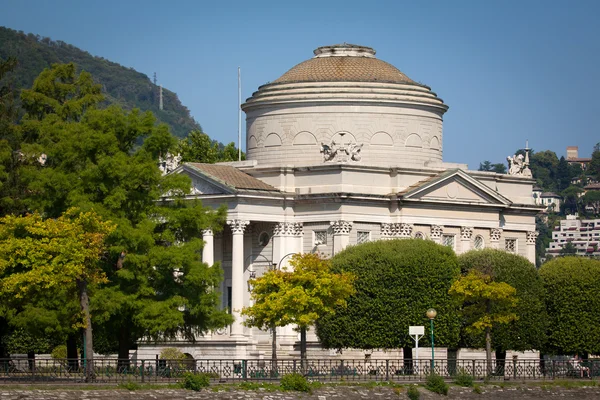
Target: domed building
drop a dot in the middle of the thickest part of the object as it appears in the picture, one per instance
(342, 149)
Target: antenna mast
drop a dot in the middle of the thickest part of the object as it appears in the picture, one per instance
(160, 98)
(239, 114)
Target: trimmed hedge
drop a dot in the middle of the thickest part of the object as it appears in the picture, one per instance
(397, 281)
(573, 304)
(529, 330)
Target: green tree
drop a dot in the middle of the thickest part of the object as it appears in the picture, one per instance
(591, 201)
(157, 287)
(571, 200)
(593, 169)
(396, 282)
(527, 332)
(544, 166)
(488, 166)
(485, 304)
(300, 296)
(198, 147)
(573, 304)
(45, 257)
(563, 176)
(568, 249)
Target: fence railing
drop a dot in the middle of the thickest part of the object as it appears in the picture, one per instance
(166, 371)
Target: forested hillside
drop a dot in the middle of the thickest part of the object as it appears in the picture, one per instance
(120, 85)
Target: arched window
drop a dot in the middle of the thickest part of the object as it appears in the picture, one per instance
(419, 235)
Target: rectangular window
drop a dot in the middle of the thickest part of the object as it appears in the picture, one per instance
(448, 240)
(363, 237)
(320, 237)
(510, 245)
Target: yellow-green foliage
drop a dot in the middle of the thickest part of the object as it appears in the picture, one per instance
(174, 357)
(573, 304)
(478, 293)
(300, 296)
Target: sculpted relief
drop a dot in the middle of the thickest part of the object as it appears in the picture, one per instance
(343, 150)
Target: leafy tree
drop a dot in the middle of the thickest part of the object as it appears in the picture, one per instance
(591, 201)
(485, 304)
(571, 200)
(593, 169)
(488, 166)
(44, 257)
(563, 177)
(198, 147)
(573, 304)
(300, 296)
(157, 287)
(396, 282)
(544, 166)
(527, 332)
(568, 249)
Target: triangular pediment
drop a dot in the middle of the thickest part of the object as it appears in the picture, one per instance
(454, 186)
(204, 184)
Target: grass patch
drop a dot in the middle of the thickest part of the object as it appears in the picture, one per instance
(295, 382)
(463, 379)
(477, 389)
(413, 392)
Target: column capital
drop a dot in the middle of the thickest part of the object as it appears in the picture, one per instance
(437, 231)
(341, 227)
(466, 232)
(288, 228)
(238, 225)
(495, 234)
(532, 236)
(207, 232)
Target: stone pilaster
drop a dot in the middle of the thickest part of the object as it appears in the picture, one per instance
(466, 233)
(208, 251)
(237, 274)
(495, 235)
(341, 235)
(531, 239)
(436, 233)
(287, 239)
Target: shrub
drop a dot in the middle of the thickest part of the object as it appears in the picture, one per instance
(59, 352)
(195, 381)
(477, 389)
(295, 382)
(463, 379)
(396, 281)
(413, 392)
(175, 358)
(436, 384)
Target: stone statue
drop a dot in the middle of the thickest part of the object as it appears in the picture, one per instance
(169, 163)
(328, 152)
(518, 165)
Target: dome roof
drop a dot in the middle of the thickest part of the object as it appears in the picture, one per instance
(344, 63)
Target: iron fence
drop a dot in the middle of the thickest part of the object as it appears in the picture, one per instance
(392, 370)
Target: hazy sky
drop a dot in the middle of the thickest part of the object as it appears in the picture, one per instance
(509, 70)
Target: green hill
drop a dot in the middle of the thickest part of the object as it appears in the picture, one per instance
(120, 85)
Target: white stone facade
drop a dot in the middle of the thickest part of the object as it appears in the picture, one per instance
(337, 163)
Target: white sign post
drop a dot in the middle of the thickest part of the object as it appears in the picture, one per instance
(416, 333)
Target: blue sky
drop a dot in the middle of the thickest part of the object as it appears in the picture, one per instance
(509, 70)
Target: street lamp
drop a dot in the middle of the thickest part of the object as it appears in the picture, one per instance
(431, 314)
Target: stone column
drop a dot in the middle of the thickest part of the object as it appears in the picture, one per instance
(237, 274)
(208, 251)
(466, 232)
(287, 239)
(436, 233)
(531, 238)
(341, 235)
(495, 234)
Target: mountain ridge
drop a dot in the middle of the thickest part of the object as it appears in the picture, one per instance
(121, 85)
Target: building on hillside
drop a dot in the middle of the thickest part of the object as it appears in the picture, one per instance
(550, 200)
(584, 235)
(573, 157)
(343, 149)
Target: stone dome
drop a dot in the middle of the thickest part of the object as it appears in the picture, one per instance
(344, 106)
(344, 63)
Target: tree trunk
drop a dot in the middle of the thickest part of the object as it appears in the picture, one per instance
(408, 360)
(72, 360)
(89, 345)
(488, 350)
(31, 360)
(123, 361)
(303, 349)
(274, 352)
(500, 361)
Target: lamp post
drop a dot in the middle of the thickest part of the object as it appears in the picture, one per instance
(431, 314)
